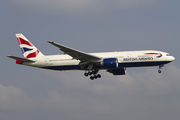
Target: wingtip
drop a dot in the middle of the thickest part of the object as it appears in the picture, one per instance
(50, 41)
(9, 56)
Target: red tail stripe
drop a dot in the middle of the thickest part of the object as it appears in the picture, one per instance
(22, 41)
(34, 54)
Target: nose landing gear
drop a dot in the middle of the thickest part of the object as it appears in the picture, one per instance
(160, 67)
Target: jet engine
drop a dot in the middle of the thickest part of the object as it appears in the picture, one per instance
(118, 71)
(109, 63)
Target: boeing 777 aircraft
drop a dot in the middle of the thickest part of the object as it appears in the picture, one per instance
(114, 62)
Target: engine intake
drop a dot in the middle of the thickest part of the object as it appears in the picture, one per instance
(110, 63)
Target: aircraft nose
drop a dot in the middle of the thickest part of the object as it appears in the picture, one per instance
(172, 58)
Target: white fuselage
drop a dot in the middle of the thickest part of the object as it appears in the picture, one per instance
(125, 59)
(72, 59)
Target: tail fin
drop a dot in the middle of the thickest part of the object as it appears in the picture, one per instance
(28, 49)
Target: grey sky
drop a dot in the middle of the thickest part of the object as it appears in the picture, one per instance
(90, 26)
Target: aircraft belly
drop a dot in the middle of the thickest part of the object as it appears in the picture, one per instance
(62, 65)
(142, 64)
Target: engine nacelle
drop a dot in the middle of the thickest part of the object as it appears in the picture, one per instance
(110, 63)
(118, 71)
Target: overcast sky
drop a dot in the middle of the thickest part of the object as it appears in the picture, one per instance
(28, 93)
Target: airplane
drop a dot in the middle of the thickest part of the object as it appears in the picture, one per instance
(72, 59)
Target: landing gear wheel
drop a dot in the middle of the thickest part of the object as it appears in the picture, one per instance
(99, 76)
(86, 74)
(160, 66)
(159, 71)
(92, 73)
(92, 78)
(89, 73)
(95, 77)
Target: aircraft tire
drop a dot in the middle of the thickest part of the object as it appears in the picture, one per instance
(99, 76)
(159, 71)
(95, 76)
(92, 78)
(89, 73)
(86, 74)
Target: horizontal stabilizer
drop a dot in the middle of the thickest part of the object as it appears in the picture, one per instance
(20, 59)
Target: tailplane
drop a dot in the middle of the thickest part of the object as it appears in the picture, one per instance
(28, 49)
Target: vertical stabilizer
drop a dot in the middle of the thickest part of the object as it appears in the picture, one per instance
(28, 49)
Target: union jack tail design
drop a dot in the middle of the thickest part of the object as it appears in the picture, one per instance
(28, 49)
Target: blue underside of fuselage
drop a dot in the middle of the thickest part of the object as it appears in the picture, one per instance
(129, 64)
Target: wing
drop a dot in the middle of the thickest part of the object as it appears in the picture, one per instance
(76, 54)
(21, 59)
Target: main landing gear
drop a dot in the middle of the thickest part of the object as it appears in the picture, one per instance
(160, 67)
(93, 74)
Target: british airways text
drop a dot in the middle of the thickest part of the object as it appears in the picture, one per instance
(137, 59)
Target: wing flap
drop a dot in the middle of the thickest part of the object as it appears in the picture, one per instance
(75, 54)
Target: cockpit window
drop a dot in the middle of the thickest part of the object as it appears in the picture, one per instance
(167, 54)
